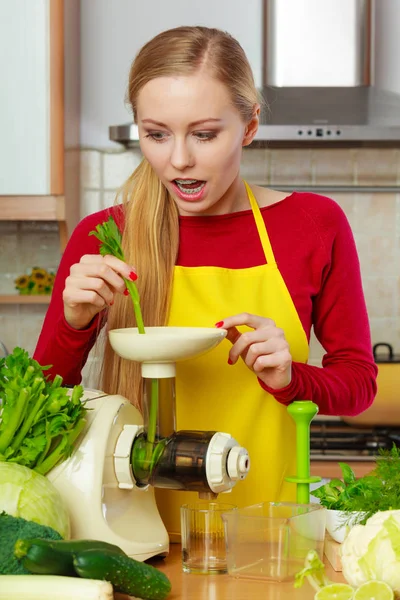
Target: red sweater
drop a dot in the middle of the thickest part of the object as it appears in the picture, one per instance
(316, 254)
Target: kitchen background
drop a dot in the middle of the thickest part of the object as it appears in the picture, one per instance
(101, 38)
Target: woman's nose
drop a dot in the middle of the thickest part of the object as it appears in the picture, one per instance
(181, 157)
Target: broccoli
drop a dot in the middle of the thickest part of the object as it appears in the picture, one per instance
(11, 530)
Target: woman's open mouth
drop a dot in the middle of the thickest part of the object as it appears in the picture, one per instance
(189, 189)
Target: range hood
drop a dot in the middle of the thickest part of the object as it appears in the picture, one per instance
(317, 72)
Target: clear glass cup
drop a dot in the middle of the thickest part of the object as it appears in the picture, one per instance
(203, 537)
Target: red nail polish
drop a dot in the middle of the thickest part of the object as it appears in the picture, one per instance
(132, 275)
(230, 362)
(219, 324)
(112, 302)
(126, 292)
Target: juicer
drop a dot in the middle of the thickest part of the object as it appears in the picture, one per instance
(108, 482)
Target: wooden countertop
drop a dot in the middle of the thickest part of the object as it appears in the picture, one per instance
(187, 586)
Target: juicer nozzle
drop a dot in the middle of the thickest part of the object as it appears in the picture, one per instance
(207, 496)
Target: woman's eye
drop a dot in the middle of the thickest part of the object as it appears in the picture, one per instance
(205, 136)
(157, 136)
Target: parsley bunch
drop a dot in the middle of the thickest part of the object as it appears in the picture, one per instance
(111, 243)
(39, 420)
(376, 491)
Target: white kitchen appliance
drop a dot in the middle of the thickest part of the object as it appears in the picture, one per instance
(108, 482)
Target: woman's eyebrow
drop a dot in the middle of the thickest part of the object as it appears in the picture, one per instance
(159, 124)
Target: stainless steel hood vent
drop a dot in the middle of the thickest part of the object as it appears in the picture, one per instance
(317, 73)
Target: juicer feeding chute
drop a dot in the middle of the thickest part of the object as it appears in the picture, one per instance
(201, 461)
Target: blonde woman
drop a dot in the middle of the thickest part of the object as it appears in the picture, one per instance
(207, 248)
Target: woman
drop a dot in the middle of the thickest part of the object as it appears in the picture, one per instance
(207, 248)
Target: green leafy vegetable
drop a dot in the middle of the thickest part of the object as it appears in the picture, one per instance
(39, 419)
(376, 491)
(111, 243)
(11, 530)
(27, 494)
(314, 572)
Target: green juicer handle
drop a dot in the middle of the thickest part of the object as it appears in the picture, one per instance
(303, 412)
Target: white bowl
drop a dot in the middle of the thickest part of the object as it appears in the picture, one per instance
(165, 344)
(339, 523)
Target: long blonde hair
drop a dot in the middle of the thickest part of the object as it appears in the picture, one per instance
(151, 230)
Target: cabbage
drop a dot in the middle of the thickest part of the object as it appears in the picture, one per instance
(27, 494)
(372, 551)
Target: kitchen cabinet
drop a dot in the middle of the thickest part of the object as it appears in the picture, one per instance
(39, 153)
(40, 116)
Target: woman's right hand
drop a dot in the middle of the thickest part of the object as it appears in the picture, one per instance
(92, 285)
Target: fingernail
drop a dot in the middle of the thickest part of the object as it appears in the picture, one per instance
(132, 275)
(230, 362)
(111, 303)
(126, 292)
(219, 324)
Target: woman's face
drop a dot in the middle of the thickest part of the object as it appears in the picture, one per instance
(192, 136)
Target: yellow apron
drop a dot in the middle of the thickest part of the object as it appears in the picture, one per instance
(214, 396)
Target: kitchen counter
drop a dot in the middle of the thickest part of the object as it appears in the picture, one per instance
(187, 586)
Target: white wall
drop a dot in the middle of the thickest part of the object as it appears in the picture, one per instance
(113, 31)
(387, 44)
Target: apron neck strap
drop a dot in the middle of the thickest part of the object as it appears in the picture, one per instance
(261, 228)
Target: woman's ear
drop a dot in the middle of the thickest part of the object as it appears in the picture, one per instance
(252, 126)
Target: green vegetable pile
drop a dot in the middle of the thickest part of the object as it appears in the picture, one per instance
(377, 491)
(39, 419)
(11, 530)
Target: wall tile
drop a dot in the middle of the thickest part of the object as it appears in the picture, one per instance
(377, 166)
(38, 249)
(108, 198)
(386, 330)
(378, 255)
(316, 351)
(38, 227)
(333, 166)
(7, 285)
(9, 325)
(254, 166)
(376, 213)
(118, 167)
(30, 324)
(8, 227)
(90, 202)
(91, 169)
(381, 296)
(8, 252)
(291, 167)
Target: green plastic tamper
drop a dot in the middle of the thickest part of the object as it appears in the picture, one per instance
(303, 412)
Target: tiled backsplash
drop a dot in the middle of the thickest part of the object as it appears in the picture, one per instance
(374, 218)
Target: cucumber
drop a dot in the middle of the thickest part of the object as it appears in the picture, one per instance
(126, 574)
(55, 557)
(39, 558)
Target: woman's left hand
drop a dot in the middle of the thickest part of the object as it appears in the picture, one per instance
(264, 350)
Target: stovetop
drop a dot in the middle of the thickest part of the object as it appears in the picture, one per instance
(336, 440)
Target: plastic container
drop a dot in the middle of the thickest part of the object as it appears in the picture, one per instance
(271, 540)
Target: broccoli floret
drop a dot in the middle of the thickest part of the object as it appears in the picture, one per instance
(13, 529)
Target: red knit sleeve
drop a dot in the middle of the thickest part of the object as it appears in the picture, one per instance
(346, 383)
(59, 345)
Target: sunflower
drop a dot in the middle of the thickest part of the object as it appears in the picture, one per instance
(49, 280)
(21, 282)
(38, 275)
